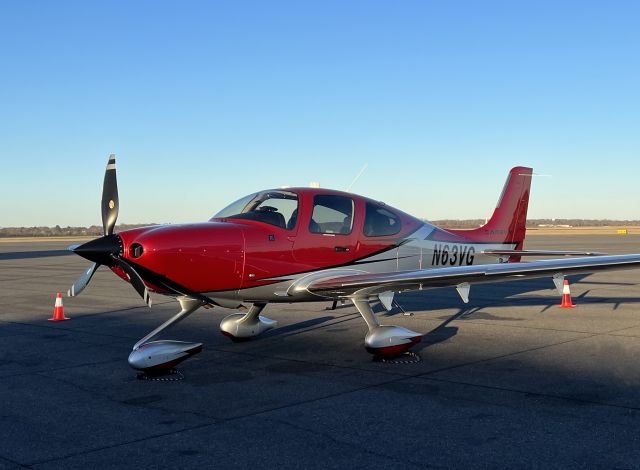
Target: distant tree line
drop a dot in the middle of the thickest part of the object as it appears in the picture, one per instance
(57, 231)
(533, 223)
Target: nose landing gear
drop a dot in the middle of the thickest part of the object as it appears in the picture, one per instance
(161, 356)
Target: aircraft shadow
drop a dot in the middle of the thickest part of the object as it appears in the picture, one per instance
(295, 327)
(494, 295)
(16, 255)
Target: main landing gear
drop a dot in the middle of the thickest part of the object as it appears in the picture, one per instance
(243, 326)
(381, 341)
(385, 341)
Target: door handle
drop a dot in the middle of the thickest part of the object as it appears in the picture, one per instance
(342, 249)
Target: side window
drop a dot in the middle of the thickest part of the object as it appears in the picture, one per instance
(379, 221)
(331, 214)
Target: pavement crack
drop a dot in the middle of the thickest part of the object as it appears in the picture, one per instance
(510, 354)
(537, 348)
(119, 444)
(4, 459)
(333, 439)
(57, 369)
(530, 393)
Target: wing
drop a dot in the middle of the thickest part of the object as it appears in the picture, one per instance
(364, 285)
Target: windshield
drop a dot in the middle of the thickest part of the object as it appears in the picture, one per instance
(235, 207)
(279, 208)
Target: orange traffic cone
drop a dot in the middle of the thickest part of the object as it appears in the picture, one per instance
(566, 296)
(58, 310)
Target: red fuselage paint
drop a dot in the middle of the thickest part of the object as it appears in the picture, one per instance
(233, 254)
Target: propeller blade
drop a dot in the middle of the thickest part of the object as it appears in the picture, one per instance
(82, 281)
(136, 280)
(110, 202)
(171, 286)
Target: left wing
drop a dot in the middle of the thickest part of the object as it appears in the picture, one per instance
(365, 285)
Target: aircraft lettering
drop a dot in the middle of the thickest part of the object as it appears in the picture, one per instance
(452, 255)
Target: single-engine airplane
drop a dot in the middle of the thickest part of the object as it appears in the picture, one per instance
(311, 244)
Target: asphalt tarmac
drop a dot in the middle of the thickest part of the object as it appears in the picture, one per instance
(506, 381)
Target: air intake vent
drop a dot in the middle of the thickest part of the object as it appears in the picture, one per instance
(136, 250)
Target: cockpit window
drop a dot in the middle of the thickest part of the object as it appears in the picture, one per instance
(279, 208)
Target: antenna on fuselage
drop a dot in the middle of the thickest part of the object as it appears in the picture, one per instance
(357, 177)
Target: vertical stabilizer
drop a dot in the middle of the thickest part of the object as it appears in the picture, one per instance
(509, 219)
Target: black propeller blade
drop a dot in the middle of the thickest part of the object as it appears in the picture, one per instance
(134, 277)
(110, 203)
(169, 285)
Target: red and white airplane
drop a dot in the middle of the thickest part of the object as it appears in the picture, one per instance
(311, 244)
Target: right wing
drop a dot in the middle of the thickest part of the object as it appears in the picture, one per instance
(365, 285)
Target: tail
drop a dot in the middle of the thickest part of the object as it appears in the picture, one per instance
(509, 219)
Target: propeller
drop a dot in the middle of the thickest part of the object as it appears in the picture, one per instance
(107, 250)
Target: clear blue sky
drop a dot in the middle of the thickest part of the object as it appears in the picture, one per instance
(204, 102)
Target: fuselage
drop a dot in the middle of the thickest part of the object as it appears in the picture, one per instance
(266, 246)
